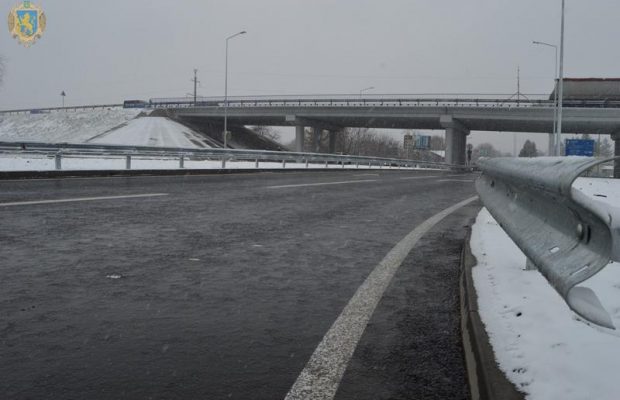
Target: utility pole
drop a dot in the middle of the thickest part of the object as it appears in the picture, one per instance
(196, 81)
(518, 83)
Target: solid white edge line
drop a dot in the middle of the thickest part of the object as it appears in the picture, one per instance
(320, 378)
(321, 184)
(78, 199)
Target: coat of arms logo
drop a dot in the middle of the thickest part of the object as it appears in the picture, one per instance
(27, 23)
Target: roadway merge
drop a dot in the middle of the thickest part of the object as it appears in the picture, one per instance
(224, 286)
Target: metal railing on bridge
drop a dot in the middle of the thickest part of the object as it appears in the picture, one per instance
(343, 100)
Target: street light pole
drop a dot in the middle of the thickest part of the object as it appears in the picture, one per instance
(552, 151)
(558, 133)
(226, 90)
(365, 89)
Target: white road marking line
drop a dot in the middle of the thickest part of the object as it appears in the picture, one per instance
(321, 376)
(77, 199)
(456, 180)
(321, 184)
(420, 177)
(366, 175)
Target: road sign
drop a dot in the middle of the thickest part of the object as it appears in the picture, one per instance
(423, 142)
(579, 147)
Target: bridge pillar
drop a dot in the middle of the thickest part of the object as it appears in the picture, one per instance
(456, 140)
(616, 138)
(316, 140)
(299, 138)
(332, 142)
(551, 151)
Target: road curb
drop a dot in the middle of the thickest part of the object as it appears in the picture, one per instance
(486, 380)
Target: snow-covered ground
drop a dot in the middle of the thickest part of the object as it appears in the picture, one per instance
(539, 343)
(153, 131)
(62, 126)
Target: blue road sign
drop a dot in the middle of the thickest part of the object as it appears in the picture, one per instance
(579, 147)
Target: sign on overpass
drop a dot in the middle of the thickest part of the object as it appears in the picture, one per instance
(580, 147)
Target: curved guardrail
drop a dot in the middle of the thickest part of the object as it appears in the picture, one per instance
(566, 236)
(65, 149)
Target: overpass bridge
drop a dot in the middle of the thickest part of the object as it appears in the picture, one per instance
(457, 116)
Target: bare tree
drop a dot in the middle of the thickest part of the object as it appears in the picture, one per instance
(438, 143)
(267, 132)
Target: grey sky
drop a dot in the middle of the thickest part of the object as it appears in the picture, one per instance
(112, 50)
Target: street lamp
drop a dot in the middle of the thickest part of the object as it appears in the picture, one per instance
(558, 134)
(226, 89)
(365, 89)
(553, 151)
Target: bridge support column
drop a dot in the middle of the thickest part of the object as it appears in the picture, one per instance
(551, 151)
(299, 138)
(616, 138)
(316, 140)
(456, 140)
(332, 142)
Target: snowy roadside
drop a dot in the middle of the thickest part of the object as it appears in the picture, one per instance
(539, 343)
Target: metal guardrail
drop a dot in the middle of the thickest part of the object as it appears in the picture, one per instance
(335, 100)
(567, 237)
(60, 150)
(51, 109)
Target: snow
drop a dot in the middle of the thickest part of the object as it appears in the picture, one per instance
(153, 131)
(62, 126)
(539, 343)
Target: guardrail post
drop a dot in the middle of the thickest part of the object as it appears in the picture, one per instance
(58, 161)
(343, 165)
(307, 162)
(283, 164)
(326, 164)
(357, 164)
(256, 163)
(182, 161)
(223, 162)
(128, 162)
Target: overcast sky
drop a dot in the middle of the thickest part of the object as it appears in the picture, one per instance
(111, 50)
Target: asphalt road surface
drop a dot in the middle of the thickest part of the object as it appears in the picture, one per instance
(223, 286)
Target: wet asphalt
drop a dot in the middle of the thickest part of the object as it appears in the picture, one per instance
(223, 288)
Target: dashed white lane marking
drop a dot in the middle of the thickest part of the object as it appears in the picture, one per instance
(78, 199)
(321, 184)
(321, 376)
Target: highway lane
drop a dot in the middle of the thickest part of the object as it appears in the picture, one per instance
(224, 287)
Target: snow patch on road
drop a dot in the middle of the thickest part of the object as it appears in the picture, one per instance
(153, 131)
(539, 343)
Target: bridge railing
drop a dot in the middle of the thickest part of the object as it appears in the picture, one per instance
(346, 101)
(566, 235)
(399, 100)
(302, 160)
